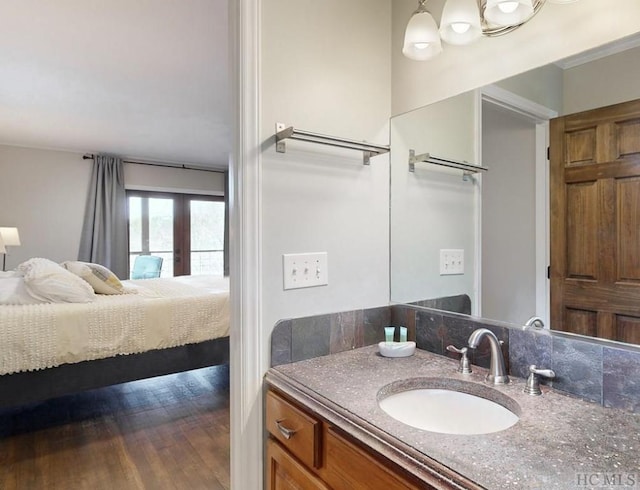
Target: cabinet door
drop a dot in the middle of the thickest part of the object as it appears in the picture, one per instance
(350, 468)
(285, 473)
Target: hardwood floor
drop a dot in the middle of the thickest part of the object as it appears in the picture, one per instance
(170, 432)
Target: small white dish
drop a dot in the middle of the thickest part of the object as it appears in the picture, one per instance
(396, 349)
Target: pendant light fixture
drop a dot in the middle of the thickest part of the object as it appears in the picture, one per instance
(421, 38)
(464, 21)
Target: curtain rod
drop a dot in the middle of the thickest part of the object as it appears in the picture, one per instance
(160, 164)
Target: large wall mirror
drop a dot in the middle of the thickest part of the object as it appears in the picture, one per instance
(487, 235)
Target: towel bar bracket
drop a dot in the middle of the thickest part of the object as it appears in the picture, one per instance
(281, 146)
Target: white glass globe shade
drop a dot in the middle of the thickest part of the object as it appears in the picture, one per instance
(421, 38)
(508, 12)
(460, 22)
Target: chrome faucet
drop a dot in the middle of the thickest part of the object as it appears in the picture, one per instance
(497, 372)
(534, 321)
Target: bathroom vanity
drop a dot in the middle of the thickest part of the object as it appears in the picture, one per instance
(327, 430)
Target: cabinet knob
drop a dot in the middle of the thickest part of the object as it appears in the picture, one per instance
(286, 432)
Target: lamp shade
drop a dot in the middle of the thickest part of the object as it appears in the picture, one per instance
(421, 38)
(460, 22)
(508, 12)
(2, 249)
(10, 236)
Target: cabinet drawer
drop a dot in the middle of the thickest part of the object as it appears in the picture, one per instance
(298, 431)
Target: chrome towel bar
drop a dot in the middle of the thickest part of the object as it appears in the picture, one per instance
(368, 149)
(467, 168)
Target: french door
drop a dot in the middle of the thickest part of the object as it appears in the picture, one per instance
(186, 230)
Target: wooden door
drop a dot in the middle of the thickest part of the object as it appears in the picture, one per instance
(595, 222)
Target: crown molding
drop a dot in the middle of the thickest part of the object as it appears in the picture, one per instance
(600, 52)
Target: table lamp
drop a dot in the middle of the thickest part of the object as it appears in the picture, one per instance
(9, 237)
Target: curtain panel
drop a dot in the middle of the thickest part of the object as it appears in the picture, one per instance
(104, 237)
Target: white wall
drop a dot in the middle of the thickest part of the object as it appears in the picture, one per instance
(43, 193)
(433, 208)
(326, 69)
(187, 181)
(508, 216)
(602, 82)
(543, 85)
(556, 32)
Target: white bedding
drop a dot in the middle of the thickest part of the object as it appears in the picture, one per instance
(163, 313)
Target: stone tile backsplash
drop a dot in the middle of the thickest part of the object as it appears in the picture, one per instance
(592, 370)
(298, 339)
(578, 368)
(620, 380)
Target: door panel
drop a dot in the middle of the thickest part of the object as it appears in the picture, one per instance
(207, 237)
(628, 329)
(583, 322)
(581, 147)
(595, 222)
(582, 226)
(628, 239)
(151, 229)
(628, 138)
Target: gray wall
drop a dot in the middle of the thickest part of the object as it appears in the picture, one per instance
(43, 193)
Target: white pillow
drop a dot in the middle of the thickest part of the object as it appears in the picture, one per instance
(47, 281)
(13, 290)
(102, 280)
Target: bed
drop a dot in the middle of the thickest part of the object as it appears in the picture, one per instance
(161, 326)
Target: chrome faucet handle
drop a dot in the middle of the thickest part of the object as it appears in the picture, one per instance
(464, 367)
(532, 387)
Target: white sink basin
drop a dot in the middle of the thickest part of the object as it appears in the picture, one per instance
(448, 411)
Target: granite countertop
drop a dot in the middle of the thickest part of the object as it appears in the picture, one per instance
(559, 442)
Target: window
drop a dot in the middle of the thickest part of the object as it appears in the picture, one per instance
(186, 230)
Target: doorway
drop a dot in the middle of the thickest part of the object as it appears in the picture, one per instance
(513, 208)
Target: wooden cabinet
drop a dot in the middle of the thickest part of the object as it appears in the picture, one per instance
(306, 452)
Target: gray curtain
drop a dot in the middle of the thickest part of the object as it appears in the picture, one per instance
(226, 224)
(104, 237)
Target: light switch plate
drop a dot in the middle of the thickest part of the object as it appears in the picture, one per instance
(305, 270)
(451, 262)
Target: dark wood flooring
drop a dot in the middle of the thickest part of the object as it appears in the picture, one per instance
(170, 432)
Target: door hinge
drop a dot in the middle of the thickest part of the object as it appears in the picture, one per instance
(548, 272)
(548, 153)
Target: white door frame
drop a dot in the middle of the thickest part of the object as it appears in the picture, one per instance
(540, 116)
(247, 352)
